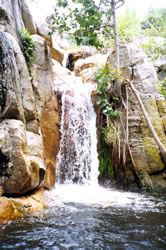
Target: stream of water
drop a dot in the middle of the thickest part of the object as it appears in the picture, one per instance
(80, 217)
(80, 213)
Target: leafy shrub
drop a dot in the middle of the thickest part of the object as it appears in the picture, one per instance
(129, 26)
(154, 49)
(155, 23)
(28, 44)
(86, 21)
(104, 77)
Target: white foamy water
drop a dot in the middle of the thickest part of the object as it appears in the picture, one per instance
(102, 197)
(77, 159)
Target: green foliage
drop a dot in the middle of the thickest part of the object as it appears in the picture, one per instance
(154, 49)
(28, 44)
(84, 20)
(155, 23)
(105, 168)
(104, 77)
(129, 26)
(110, 134)
(162, 87)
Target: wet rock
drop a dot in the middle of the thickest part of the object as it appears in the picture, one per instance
(7, 210)
(159, 182)
(12, 208)
(50, 123)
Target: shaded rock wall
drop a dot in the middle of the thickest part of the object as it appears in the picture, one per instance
(29, 113)
(136, 66)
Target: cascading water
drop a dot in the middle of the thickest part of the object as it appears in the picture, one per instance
(86, 216)
(77, 159)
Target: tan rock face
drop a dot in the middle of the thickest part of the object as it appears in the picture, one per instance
(28, 107)
(51, 138)
(7, 210)
(87, 67)
(28, 19)
(57, 53)
(47, 107)
(11, 208)
(135, 65)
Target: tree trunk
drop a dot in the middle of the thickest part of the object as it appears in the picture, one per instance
(157, 139)
(116, 40)
(113, 5)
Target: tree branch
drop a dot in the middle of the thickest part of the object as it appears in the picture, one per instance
(90, 30)
(151, 128)
(122, 2)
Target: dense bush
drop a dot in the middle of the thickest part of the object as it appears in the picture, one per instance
(28, 44)
(104, 77)
(155, 23)
(129, 26)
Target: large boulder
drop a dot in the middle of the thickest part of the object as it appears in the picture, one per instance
(136, 66)
(22, 160)
(87, 67)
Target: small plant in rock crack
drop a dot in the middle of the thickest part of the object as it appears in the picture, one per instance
(104, 77)
(162, 87)
(28, 45)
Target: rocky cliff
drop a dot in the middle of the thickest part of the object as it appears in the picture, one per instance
(148, 170)
(29, 127)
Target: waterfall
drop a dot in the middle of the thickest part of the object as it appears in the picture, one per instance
(77, 161)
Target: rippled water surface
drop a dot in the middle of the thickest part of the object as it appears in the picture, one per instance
(91, 218)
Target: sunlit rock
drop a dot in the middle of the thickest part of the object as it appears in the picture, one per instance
(57, 52)
(17, 99)
(22, 160)
(86, 68)
(47, 106)
(7, 210)
(39, 52)
(8, 11)
(27, 18)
